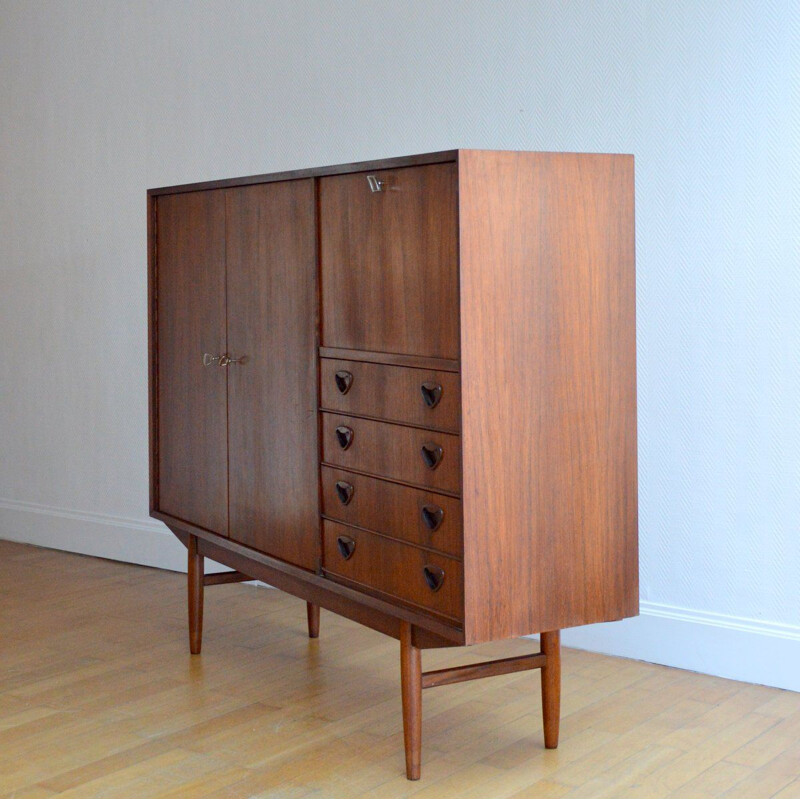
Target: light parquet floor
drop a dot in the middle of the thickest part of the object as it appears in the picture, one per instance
(100, 698)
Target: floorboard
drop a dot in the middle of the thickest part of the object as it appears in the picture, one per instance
(99, 697)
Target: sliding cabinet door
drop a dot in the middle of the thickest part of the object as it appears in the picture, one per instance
(192, 477)
(272, 421)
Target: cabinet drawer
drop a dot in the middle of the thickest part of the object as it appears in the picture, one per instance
(417, 396)
(409, 573)
(390, 260)
(417, 456)
(422, 518)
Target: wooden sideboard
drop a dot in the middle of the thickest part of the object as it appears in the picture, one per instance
(405, 391)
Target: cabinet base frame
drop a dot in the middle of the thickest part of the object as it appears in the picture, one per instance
(362, 608)
(412, 640)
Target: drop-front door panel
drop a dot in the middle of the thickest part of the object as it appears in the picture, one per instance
(272, 424)
(192, 457)
(389, 260)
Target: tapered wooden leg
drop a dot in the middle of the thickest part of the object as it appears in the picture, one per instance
(195, 583)
(411, 683)
(551, 687)
(313, 620)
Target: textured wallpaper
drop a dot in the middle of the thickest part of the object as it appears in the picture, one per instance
(100, 103)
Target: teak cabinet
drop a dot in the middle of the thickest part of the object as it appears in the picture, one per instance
(405, 391)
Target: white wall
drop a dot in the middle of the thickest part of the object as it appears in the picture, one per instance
(99, 101)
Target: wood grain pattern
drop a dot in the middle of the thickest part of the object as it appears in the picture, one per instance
(394, 569)
(550, 452)
(190, 287)
(394, 510)
(391, 393)
(389, 261)
(392, 451)
(272, 430)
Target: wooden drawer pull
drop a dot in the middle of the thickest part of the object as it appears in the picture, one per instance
(432, 516)
(347, 546)
(344, 380)
(344, 490)
(344, 436)
(431, 393)
(432, 454)
(434, 577)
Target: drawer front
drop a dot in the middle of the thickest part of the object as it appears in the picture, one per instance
(422, 518)
(426, 458)
(409, 573)
(418, 396)
(389, 261)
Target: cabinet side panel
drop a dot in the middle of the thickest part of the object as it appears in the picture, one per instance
(549, 391)
(272, 392)
(190, 321)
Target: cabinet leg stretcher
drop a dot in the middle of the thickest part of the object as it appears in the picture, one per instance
(412, 679)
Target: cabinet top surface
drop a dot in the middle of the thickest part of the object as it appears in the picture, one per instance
(315, 172)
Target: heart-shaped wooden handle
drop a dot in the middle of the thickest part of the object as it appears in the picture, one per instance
(344, 490)
(432, 516)
(344, 436)
(344, 380)
(434, 577)
(431, 393)
(347, 546)
(432, 454)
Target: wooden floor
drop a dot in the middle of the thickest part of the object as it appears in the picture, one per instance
(100, 698)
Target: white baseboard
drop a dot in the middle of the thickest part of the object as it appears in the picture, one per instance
(730, 647)
(146, 542)
(716, 644)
